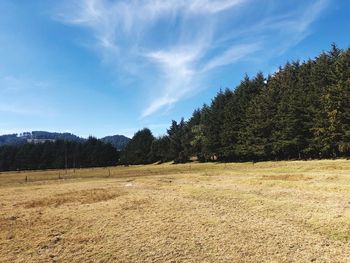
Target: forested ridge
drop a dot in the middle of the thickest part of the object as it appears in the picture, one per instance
(302, 111)
(118, 141)
(58, 155)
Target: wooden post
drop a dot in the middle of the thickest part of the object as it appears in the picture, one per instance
(26, 179)
(74, 163)
(65, 157)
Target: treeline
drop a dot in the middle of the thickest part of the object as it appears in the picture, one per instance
(118, 141)
(300, 112)
(58, 155)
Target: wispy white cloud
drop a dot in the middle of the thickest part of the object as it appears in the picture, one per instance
(7, 108)
(11, 83)
(177, 41)
(232, 55)
(303, 22)
(23, 96)
(177, 67)
(210, 6)
(24, 109)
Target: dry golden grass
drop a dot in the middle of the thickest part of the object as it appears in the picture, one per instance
(243, 212)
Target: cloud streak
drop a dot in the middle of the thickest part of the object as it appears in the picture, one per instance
(15, 99)
(178, 41)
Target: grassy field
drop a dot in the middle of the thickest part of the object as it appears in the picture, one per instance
(267, 212)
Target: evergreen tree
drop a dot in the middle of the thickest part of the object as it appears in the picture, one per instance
(213, 124)
(160, 149)
(138, 150)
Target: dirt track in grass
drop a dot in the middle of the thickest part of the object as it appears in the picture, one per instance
(266, 212)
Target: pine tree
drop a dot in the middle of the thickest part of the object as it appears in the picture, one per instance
(327, 129)
(213, 125)
(138, 150)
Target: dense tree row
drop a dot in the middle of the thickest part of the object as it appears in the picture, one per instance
(302, 111)
(118, 141)
(57, 155)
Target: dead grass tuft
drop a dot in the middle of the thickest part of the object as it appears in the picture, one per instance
(82, 197)
(287, 177)
(135, 204)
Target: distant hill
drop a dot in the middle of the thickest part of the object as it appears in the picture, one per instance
(11, 139)
(51, 135)
(118, 141)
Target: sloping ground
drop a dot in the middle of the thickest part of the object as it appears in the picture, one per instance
(267, 212)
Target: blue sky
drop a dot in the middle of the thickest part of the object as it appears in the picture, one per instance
(103, 67)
